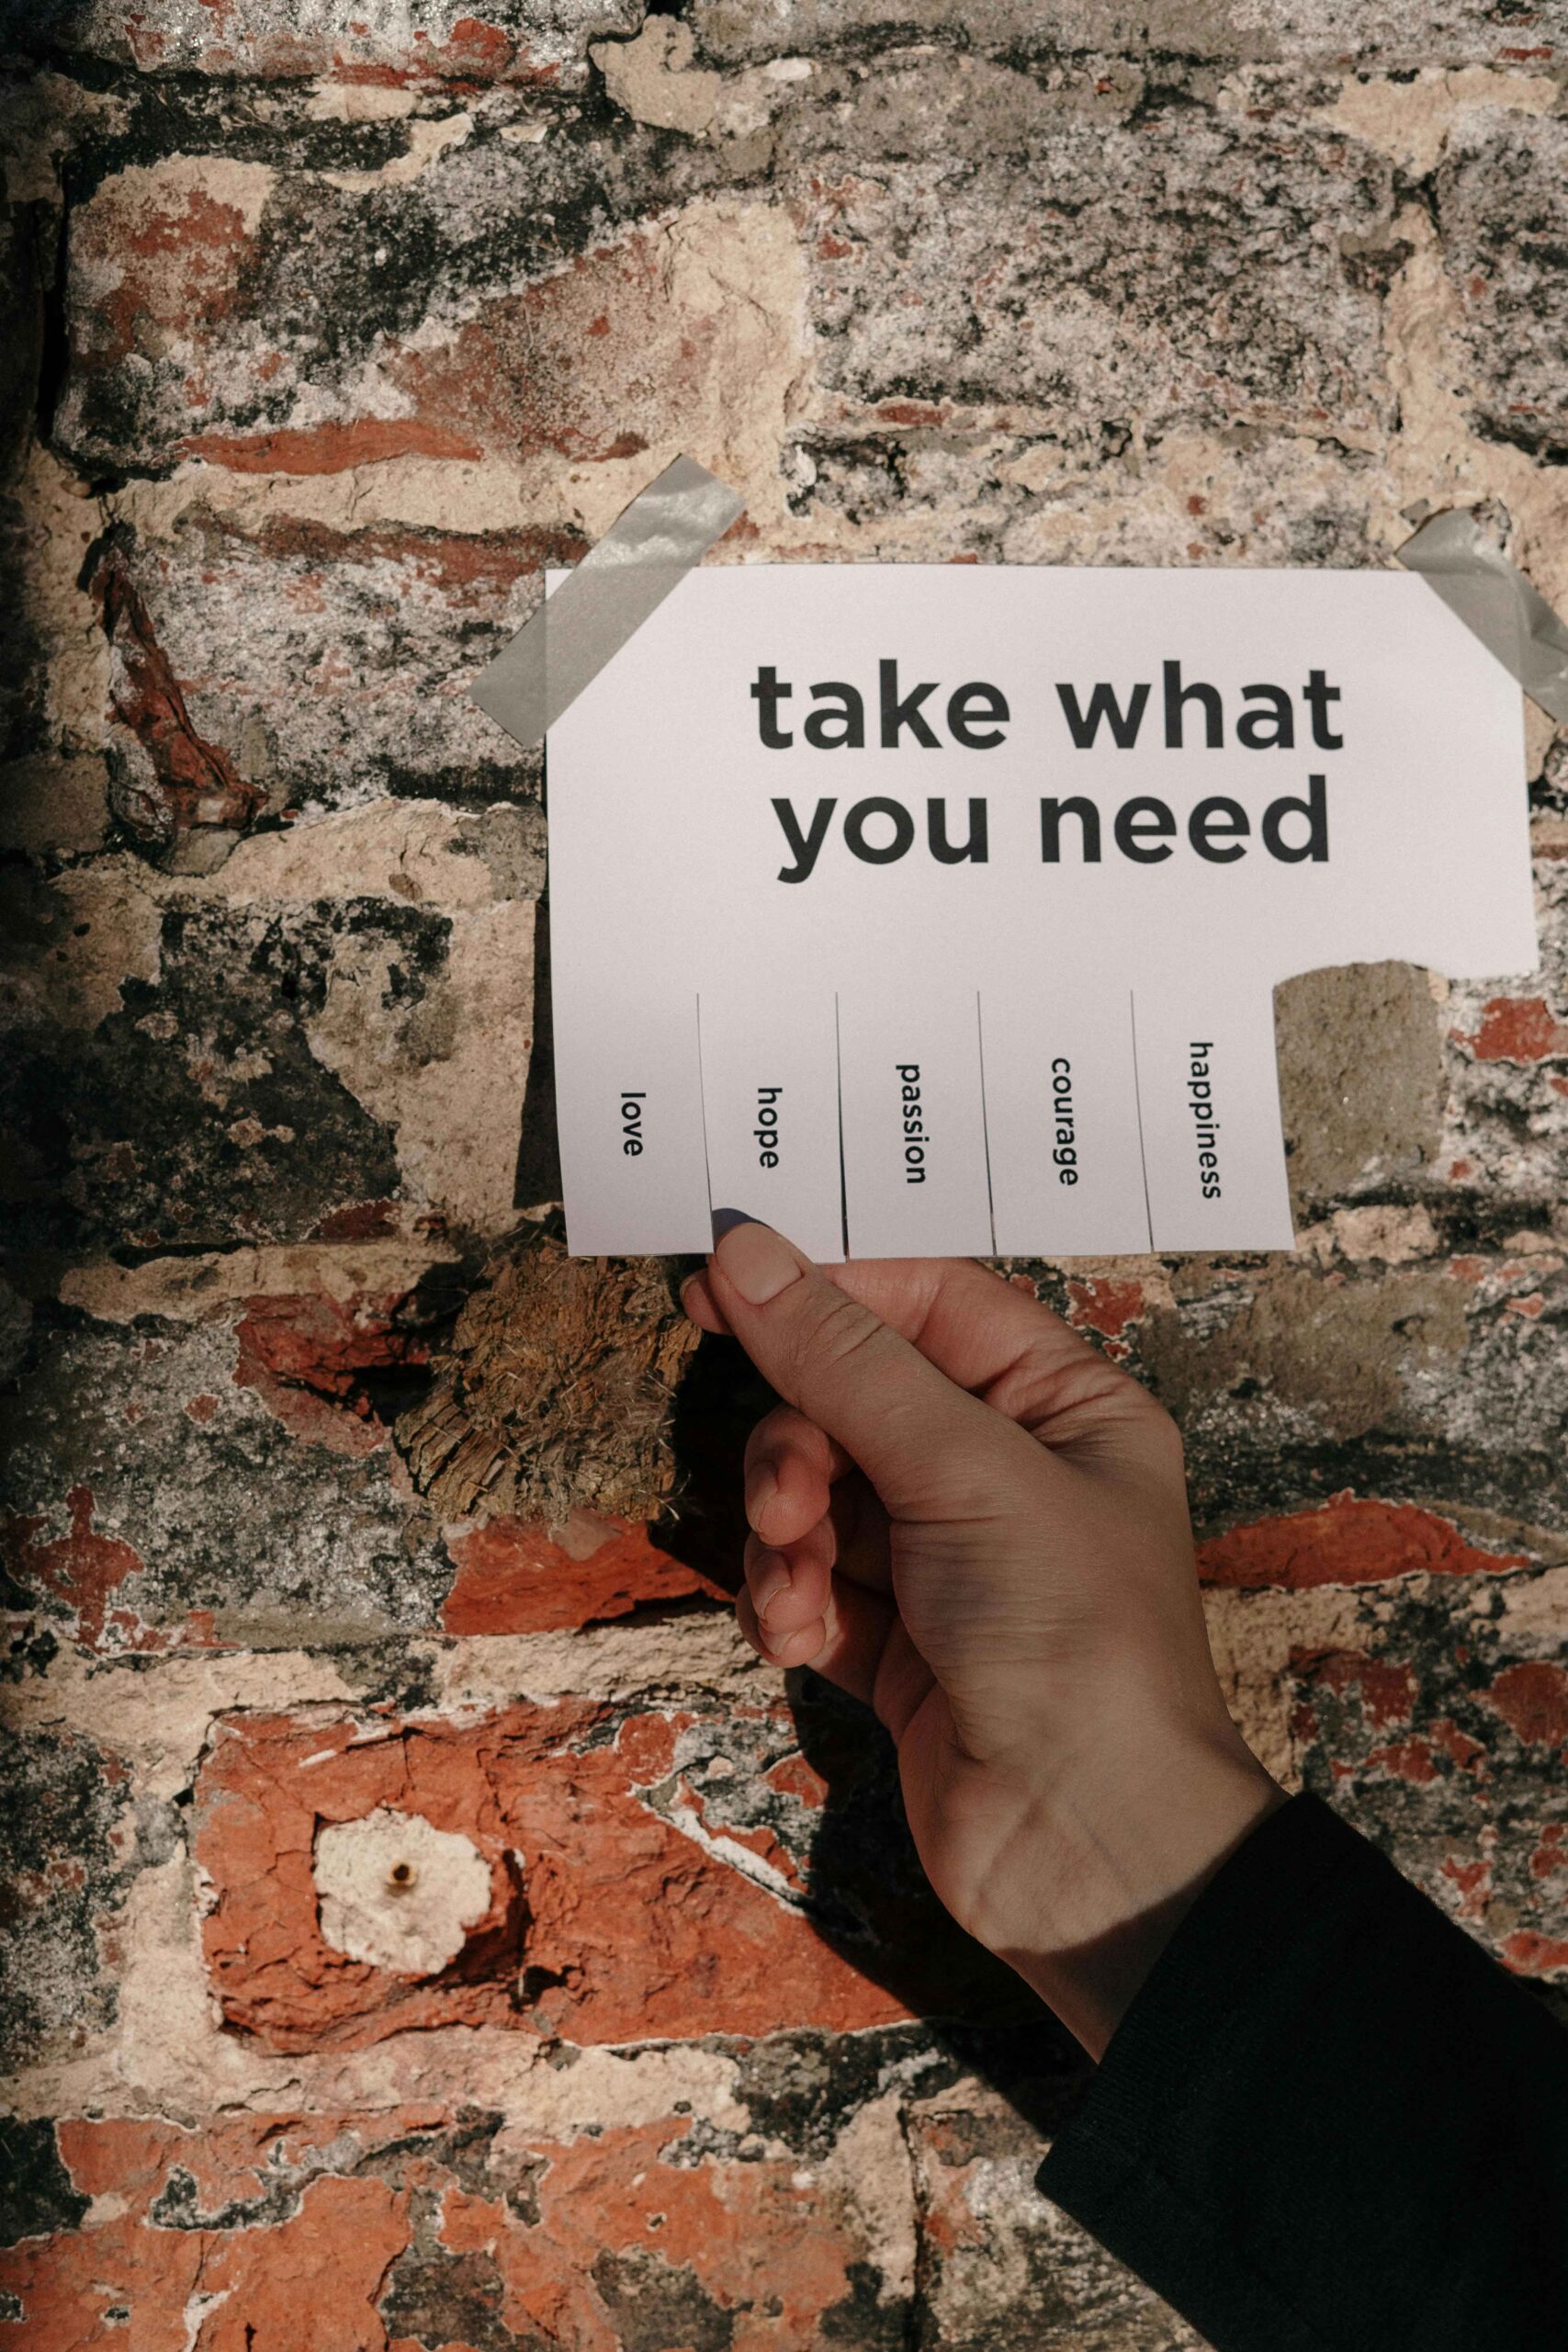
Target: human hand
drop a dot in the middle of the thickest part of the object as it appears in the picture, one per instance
(965, 1516)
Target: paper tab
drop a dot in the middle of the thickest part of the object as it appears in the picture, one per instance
(629, 1096)
(771, 1105)
(914, 1125)
(1062, 1118)
(1210, 1093)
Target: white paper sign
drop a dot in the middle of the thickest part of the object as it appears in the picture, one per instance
(937, 910)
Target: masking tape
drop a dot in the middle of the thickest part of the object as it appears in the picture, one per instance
(645, 554)
(1494, 600)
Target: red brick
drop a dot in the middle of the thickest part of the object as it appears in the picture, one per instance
(1348, 1540)
(1532, 1698)
(1386, 1687)
(185, 2289)
(286, 2231)
(1516, 1029)
(627, 1929)
(1106, 1307)
(85, 1569)
(327, 448)
(515, 1579)
(760, 2234)
(305, 1355)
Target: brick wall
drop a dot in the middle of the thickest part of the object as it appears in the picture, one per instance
(335, 321)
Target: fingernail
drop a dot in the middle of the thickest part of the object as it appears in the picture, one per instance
(759, 1261)
(770, 1581)
(693, 1295)
(760, 1488)
(798, 1648)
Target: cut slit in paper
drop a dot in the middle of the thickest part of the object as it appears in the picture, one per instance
(899, 1055)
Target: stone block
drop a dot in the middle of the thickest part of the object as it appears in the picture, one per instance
(1360, 1078)
(1327, 33)
(1182, 269)
(1502, 209)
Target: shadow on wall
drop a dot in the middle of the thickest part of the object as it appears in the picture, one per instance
(866, 1895)
(539, 1178)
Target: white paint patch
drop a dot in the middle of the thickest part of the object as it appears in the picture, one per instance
(398, 1893)
(198, 2311)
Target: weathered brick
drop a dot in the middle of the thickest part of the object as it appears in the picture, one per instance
(1391, 1380)
(375, 44)
(197, 1111)
(162, 1492)
(1442, 1733)
(522, 298)
(411, 2231)
(516, 1577)
(348, 679)
(1066, 490)
(1331, 32)
(652, 1876)
(1349, 1540)
(272, 1066)
(67, 1844)
(309, 2239)
(1001, 2267)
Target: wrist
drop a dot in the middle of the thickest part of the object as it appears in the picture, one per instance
(1114, 1861)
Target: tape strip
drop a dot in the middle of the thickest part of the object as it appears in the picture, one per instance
(1494, 600)
(646, 553)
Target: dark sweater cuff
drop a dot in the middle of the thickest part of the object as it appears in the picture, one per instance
(1328, 2119)
(1120, 2167)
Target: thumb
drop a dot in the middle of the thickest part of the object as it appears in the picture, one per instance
(910, 1429)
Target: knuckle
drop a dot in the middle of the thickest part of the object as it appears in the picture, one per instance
(1158, 1424)
(841, 1332)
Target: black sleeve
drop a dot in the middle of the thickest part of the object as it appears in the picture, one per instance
(1329, 2122)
